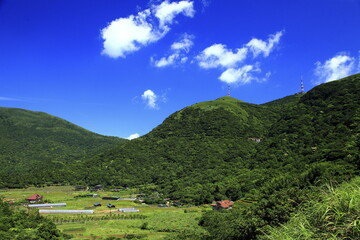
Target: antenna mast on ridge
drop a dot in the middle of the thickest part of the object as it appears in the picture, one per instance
(228, 91)
(302, 86)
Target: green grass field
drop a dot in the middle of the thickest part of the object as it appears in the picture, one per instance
(159, 223)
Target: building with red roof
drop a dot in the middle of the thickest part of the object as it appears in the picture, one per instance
(34, 198)
(223, 204)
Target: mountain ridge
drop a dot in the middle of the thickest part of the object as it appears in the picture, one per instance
(39, 144)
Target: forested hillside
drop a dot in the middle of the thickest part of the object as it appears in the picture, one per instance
(203, 153)
(197, 154)
(207, 152)
(315, 143)
(37, 148)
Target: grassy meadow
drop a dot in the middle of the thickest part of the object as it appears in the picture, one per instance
(152, 222)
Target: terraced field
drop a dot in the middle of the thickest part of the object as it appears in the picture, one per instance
(151, 222)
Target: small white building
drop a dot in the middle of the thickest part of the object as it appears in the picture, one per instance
(127, 210)
(47, 205)
(65, 211)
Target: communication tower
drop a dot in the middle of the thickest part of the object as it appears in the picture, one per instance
(228, 93)
(302, 86)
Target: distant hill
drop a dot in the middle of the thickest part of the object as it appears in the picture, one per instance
(36, 147)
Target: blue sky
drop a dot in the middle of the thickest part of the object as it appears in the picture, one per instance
(121, 67)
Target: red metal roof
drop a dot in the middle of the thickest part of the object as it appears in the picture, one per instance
(223, 204)
(34, 197)
(226, 203)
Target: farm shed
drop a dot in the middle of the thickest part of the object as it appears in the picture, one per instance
(126, 210)
(97, 204)
(97, 188)
(110, 198)
(81, 188)
(224, 204)
(65, 211)
(255, 139)
(34, 198)
(50, 205)
(127, 199)
(92, 195)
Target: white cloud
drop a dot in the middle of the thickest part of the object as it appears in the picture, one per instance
(126, 35)
(150, 98)
(242, 75)
(218, 55)
(183, 60)
(179, 50)
(266, 77)
(337, 67)
(184, 44)
(133, 136)
(166, 12)
(235, 62)
(258, 46)
(8, 99)
(166, 61)
(205, 3)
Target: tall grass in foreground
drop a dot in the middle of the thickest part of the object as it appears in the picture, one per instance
(336, 216)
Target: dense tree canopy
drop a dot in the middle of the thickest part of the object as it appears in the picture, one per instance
(37, 148)
(15, 224)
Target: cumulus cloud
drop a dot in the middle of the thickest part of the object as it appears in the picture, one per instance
(166, 11)
(179, 50)
(150, 98)
(126, 35)
(242, 75)
(258, 46)
(133, 136)
(218, 55)
(339, 66)
(234, 63)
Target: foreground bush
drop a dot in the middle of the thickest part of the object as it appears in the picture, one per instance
(336, 216)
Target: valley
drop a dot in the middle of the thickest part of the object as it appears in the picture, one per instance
(151, 222)
(272, 160)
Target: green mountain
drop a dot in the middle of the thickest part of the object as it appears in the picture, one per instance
(36, 148)
(203, 153)
(200, 148)
(314, 143)
(206, 152)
